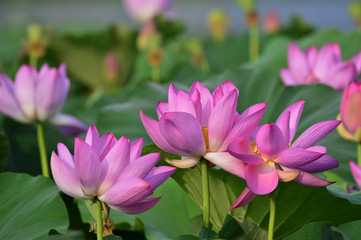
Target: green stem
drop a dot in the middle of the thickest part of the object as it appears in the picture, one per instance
(99, 220)
(33, 60)
(205, 188)
(272, 215)
(42, 150)
(359, 153)
(253, 43)
(156, 74)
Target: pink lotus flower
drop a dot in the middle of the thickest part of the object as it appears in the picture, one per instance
(356, 173)
(111, 170)
(38, 96)
(325, 66)
(350, 113)
(272, 22)
(201, 124)
(144, 10)
(270, 157)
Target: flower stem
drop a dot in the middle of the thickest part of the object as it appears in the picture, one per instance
(359, 154)
(253, 43)
(156, 74)
(33, 60)
(205, 188)
(99, 220)
(272, 215)
(42, 150)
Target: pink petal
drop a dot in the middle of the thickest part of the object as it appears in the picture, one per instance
(295, 110)
(287, 176)
(246, 197)
(325, 60)
(24, 88)
(139, 207)
(65, 155)
(221, 120)
(183, 103)
(127, 191)
(238, 149)
(65, 178)
(87, 166)
(161, 108)
(136, 149)
(101, 145)
(298, 65)
(262, 179)
(113, 164)
(68, 125)
(350, 109)
(310, 180)
(356, 173)
(185, 162)
(246, 124)
(159, 175)
(287, 78)
(322, 164)
(227, 162)
(270, 141)
(315, 133)
(311, 55)
(8, 103)
(140, 167)
(206, 100)
(340, 76)
(152, 128)
(183, 132)
(172, 96)
(223, 90)
(320, 149)
(357, 61)
(297, 157)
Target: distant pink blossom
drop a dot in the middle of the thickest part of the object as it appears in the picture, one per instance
(270, 156)
(111, 170)
(356, 173)
(38, 96)
(325, 67)
(200, 124)
(271, 23)
(144, 10)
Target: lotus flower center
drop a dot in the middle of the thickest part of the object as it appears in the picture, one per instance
(256, 151)
(311, 78)
(205, 136)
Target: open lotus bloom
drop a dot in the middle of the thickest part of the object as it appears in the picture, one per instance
(144, 10)
(200, 124)
(38, 96)
(356, 173)
(350, 113)
(111, 170)
(325, 66)
(270, 156)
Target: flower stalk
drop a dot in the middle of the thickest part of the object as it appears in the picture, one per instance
(272, 215)
(42, 150)
(99, 220)
(359, 154)
(205, 188)
(253, 43)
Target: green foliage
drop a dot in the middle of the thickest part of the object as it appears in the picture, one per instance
(4, 151)
(30, 207)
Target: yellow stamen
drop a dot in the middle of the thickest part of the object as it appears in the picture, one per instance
(205, 136)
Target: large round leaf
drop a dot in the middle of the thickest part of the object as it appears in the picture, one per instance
(30, 207)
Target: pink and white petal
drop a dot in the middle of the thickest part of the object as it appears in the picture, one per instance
(136, 149)
(183, 132)
(270, 141)
(297, 157)
(127, 191)
(227, 162)
(322, 164)
(24, 89)
(114, 164)
(287, 176)
(221, 120)
(152, 128)
(185, 162)
(206, 100)
(357, 61)
(140, 167)
(65, 155)
(356, 173)
(246, 197)
(340, 75)
(315, 133)
(68, 124)
(8, 103)
(310, 180)
(184, 104)
(139, 207)
(295, 110)
(65, 178)
(261, 179)
(104, 144)
(159, 175)
(92, 136)
(325, 61)
(298, 65)
(161, 108)
(172, 97)
(287, 78)
(87, 166)
(245, 125)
